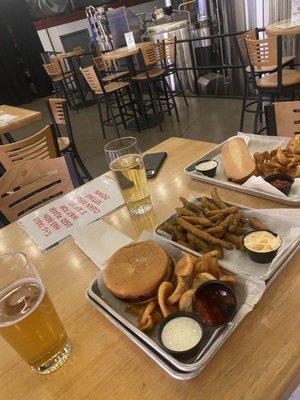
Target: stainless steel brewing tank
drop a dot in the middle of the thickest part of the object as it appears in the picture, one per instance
(179, 28)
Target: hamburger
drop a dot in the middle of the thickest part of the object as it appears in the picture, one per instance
(135, 272)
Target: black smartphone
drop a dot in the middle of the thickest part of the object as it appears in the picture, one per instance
(153, 163)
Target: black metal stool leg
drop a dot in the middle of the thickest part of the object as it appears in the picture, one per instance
(166, 96)
(245, 92)
(133, 108)
(258, 107)
(81, 164)
(152, 95)
(181, 88)
(173, 99)
(120, 109)
(112, 115)
(101, 118)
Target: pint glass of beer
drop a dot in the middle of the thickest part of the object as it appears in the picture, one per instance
(126, 162)
(28, 320)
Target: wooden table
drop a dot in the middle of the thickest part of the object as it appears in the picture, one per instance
(23, 117)
(284, 27)
(260, 361)
(123, 52)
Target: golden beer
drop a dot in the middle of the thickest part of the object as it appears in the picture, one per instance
(30, 324)
(129, 171)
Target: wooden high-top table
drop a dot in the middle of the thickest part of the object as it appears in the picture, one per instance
(259, 361)
(284, 27)
(23, 117)
(124, 52)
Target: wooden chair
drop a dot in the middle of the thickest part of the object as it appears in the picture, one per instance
(283, 118)
(108, 92)
(267, 53)
(31, 184)
(170, 51)
(105, 67)
(152, 60)
(41, 145)
(63, 81)
(60, 117)
(240, 45)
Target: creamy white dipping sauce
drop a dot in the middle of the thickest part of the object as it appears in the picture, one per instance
(262, 241)
(206, 165)
(180, 334)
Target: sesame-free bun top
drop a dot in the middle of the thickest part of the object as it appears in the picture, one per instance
(135, 271)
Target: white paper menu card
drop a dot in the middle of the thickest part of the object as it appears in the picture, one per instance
(55, 221)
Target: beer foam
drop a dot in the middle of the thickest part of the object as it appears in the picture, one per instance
(18, 284)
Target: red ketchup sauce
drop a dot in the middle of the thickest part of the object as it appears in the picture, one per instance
(280, 184)
(215, 305)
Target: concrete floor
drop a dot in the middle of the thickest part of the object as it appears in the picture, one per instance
(208, 119)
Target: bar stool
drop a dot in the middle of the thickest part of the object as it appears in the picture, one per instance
(60, 116)
(111, 92)
(170, 49)
(104, 68)
(152, 60)
(282, 118)
(61, 80)
(240, 45)
(263, 54)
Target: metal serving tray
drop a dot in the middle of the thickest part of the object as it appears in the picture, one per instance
(247, 291)
(221, 180)
(238, 262)
(175, 373)
(143, 341)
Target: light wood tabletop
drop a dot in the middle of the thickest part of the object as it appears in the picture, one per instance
(284, 27)
(23, 117)
(123, 52)
(260, 360)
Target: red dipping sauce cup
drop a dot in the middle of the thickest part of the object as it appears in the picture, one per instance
(215, 303)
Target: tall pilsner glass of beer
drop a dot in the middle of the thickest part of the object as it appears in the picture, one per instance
(126, 162)
(28, 320)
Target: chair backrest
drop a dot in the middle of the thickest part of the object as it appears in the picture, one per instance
(153, 54)
(31, 184)
(53, 69)
(42, 144)
(56, 110)
(5, 162)
(241, 44)
(265, 53)
(101, 64)
(262, 52)
(59, 114)
(283, 118)
(91, 78)
(170, 50)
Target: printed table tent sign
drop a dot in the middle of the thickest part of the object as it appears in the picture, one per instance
(55, 221)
